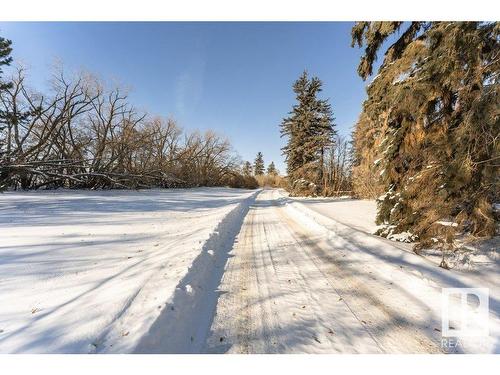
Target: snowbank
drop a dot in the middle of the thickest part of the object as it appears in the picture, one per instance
(481, 256)
(357, 213)
(91, 271)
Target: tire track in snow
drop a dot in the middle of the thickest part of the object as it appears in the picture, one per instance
(366, 307)
(329, 282)
(295, 295)
(183, 324)
(288, 305)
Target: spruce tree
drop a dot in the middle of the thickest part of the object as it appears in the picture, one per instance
(271, 169)
(10, 118)
(430, 126)
(309, 129)
(258, 165)
(5, 59)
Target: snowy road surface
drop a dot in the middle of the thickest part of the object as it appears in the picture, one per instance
(215, 271)
(298, 285)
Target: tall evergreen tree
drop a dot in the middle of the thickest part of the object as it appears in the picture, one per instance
(431, 125)
(10, 117)
(271, 169)
(5, 60)
(309, 129)
(258, 165)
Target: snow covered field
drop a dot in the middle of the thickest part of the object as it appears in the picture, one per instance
(215, 270)
(88, 271)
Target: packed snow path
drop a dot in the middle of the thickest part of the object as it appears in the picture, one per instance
(292, 286)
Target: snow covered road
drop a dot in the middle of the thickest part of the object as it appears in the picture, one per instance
(293, 285)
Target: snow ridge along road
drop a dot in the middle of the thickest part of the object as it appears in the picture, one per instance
(183, 325)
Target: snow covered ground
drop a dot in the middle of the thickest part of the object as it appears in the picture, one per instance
(218, 271)
(90, 271)
(480, 257)
(357, 213)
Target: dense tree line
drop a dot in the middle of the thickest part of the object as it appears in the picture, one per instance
(317, 159)
(269, 177)
(428, 134)
(84, 135)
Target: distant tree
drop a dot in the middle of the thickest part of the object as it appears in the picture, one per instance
(258, 165)
(309, 129)
(247, 168)
(271, 169)
(338, 168)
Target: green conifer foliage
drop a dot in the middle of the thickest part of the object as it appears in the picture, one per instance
(431, 126)
(309, 130)
(5, 59)
(258, 165)
(271, 169)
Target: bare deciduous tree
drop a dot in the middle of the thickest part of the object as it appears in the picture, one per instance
(83, 135)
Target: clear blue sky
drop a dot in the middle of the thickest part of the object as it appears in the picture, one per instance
(234, 78)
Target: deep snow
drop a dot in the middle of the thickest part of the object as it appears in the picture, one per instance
(358, 213)
(90, 271)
